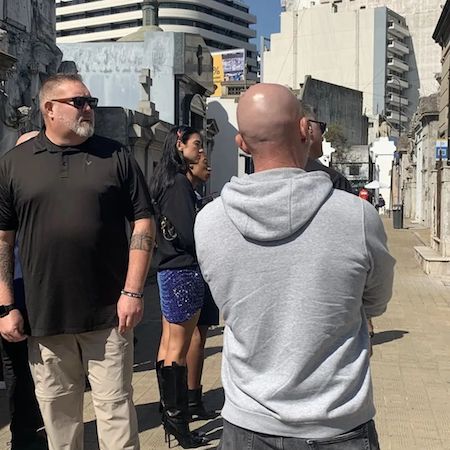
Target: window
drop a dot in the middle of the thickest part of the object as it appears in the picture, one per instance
(354, 170)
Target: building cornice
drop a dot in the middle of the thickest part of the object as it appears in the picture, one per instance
(441, 33)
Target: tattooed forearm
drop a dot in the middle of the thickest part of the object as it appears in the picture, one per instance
(6, 263)
(142, 242)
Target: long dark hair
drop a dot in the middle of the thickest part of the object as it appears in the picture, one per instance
(172, 161)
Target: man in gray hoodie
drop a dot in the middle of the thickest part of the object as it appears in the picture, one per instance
(296, 267)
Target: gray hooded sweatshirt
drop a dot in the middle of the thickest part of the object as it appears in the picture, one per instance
(295, 268)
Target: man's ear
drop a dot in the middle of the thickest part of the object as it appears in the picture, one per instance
(48, 109)
(241, 143)
(305, 129)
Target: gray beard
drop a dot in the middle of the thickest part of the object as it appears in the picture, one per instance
(80, 128)
(84, 129)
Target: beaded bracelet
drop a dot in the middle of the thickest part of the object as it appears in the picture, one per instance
(132, 294)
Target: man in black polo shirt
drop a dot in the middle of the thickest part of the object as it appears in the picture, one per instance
(66, 195)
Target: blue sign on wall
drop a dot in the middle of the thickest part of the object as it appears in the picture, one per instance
(442, 149)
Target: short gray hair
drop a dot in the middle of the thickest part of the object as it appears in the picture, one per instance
(309, 111)
(53, 82)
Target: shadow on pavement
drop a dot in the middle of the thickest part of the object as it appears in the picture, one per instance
(212, 429)
(215, 331)
(387, 336)
(210, 351)
(148, 416)
(214, 400)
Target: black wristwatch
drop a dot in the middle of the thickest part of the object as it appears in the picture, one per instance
(6, 309)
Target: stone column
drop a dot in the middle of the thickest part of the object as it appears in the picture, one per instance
(445, 211)
(433, 197)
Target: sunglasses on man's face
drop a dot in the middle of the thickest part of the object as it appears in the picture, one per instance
(322, 125)
(78, 102)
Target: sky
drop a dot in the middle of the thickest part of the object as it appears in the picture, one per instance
(267, 14)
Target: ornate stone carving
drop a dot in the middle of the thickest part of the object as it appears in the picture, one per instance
(27, 33)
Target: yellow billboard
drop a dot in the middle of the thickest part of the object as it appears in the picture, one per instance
(217, 74)
(229, 65)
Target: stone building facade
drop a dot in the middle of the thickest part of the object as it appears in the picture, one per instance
(419, 196)
(436, 258)
(27, 41)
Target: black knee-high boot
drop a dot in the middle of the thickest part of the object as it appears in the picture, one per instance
(196, 407)
(175, 407)
(158, 366)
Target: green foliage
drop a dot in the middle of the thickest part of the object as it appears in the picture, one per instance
(335, 135)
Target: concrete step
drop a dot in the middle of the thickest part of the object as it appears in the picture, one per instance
(432, 262)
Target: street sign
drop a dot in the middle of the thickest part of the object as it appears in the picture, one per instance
(441, 149)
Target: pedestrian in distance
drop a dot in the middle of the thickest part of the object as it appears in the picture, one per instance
(296, 267)
(381, 204)
(364, 194)
(198, 174)
(181, 286)
(66, 195)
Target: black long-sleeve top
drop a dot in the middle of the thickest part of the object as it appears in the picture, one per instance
(338, 180)
(177, 203)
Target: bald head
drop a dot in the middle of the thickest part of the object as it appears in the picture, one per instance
(272, 126)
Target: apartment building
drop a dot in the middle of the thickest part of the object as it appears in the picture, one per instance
(421, 17)
(223, 24)
(365, 49)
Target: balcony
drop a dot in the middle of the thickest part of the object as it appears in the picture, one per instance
(395, 99)
(397, 65)
(398, 48)
(394, 116)
(396, 82)
(397, 30)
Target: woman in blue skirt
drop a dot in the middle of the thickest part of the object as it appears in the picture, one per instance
(181, 286)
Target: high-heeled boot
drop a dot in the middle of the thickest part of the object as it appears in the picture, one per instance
(175, 407)
(196, 407)
(158, 366)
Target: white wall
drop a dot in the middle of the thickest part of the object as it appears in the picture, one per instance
(382, 151)
(226, 161)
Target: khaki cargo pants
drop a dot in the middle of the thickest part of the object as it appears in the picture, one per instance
(59, 365)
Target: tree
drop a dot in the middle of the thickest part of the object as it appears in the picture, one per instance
(336, 137)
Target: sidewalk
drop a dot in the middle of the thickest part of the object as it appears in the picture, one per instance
(411, 360)
(410, 365)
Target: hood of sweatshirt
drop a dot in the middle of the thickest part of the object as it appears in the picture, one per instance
(274, 204)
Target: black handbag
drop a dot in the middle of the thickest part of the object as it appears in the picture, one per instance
(166, 226)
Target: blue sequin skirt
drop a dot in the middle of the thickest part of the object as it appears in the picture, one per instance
(181, 293)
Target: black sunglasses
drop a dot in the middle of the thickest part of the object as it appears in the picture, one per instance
(322, 125)
(78, 102)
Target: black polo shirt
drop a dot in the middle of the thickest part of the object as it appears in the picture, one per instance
(69, 205)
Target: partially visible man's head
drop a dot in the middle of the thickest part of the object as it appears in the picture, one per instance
(272, 127)
(67, 107)
(315, 150)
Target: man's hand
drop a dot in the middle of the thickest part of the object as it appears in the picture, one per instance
(11, 327)
(130, 312)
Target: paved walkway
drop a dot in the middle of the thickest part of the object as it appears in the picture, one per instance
(410, 364)
(411, 361)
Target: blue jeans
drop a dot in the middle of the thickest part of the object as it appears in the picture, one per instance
(363, 437)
